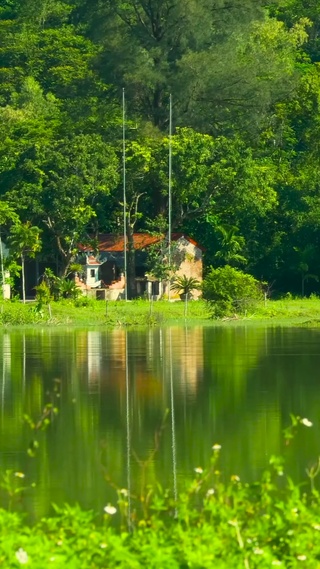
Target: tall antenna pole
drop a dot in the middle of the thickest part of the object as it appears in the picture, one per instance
(124, 193)
(170, 188)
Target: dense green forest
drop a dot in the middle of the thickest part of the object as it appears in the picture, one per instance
(245, 83)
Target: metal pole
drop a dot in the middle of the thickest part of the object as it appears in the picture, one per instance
(170, 188)
(124, 193)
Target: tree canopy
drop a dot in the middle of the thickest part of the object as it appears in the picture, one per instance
(245, 84)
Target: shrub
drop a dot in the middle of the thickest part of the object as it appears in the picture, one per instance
(185, 285)
(43, 294)
(230, 290)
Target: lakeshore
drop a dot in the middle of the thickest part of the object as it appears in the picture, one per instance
(86, 312)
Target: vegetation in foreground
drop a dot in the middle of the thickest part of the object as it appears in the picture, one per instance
(272, 522)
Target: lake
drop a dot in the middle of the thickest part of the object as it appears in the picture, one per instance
(142, 406)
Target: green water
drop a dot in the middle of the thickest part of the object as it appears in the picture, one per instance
(232, 386)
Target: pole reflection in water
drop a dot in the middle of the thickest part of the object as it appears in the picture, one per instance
(128, 431)
(173, 429)
(116, 386)
(24, 362)
(6, 369)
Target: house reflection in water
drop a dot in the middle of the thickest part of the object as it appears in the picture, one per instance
(152, 354)
(6, 369)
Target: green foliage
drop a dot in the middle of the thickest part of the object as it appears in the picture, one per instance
(24, 241)
(212, 522)
(185, 285)
(90, 312)
(68, 289)
(231, 291)
(43, 294)
(53, 287)
(245, 86)
(231, 246)
(12, 485)
(157, 262)
(15, 314)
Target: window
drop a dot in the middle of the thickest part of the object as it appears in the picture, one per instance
(92, 273)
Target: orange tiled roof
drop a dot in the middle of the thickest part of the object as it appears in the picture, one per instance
(110, 242)
(92, 260)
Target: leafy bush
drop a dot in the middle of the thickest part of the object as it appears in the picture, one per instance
(231, 291)
(17, 314)
(43, 294)
(68, 289)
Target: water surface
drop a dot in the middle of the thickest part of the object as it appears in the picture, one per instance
(232, 386)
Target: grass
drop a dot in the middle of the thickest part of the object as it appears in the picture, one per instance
(289, 311)
(87, 312)
(101, 313)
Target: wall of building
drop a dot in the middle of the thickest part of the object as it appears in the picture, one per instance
(189, 260)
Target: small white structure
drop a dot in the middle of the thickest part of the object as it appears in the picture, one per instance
(92, 272)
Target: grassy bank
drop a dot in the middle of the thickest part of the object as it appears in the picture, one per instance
(233, 525)
(100, 313)
(84, 312)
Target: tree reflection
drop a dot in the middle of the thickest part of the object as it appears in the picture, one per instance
(234, 386)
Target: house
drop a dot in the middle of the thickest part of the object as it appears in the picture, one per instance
(104, 268)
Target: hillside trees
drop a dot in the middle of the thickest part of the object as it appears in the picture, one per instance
(245, 85)
(292, 142)
(61, 187)
(221, 61)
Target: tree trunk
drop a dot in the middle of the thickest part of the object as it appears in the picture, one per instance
(23, 280)
(66, 261)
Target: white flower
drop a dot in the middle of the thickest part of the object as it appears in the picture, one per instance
(301, 557)
(60, 542)
(276, 562)
(210, 492)
(123, 491)
(19, 474)
(198, 470)
(306, 422)
(22, 556)
(258, 551)
(111, 510)
(216, 447)
(316, 526)
(103, 545)
(235, 478)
